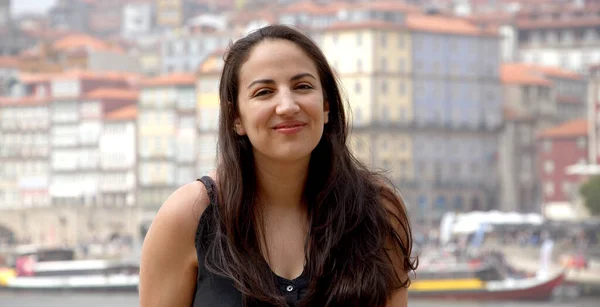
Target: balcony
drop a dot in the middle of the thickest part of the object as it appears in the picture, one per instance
(411, 126)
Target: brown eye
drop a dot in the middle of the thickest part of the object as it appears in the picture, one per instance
(263, 92)
(304, 86)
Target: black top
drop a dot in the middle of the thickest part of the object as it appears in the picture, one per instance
(213, 290)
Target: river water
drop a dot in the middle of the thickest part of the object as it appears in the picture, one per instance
(131, 300)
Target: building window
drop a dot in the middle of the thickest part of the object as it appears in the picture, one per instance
(385, 113)
(359, 65)
(383, 87)
(383, 38)
(383, 64)
(402, 114)
(549, 188)
(402, 88)
(401, 41)
(401, 65)
(359, 38)
(549, 166)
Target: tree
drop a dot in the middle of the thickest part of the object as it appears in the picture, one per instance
(591, 194)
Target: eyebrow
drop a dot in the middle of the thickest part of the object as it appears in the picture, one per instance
(270, 81)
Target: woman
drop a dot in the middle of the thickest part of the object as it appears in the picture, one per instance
(294, 219)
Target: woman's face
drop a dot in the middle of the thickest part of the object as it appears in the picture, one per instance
(281, 104)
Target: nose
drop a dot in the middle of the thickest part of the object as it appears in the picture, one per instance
(287, 105)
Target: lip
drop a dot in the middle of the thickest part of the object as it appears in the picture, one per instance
(289, 127)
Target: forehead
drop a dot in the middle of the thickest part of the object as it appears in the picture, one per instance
(270, 59)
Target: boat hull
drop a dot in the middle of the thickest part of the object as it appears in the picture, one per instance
(508, 290)
(99, 283)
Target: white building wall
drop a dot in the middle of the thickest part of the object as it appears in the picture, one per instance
(111, 62)
(137, 19)
(118, 145)
(576, 59)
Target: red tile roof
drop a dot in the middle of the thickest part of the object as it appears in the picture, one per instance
(125, 113)
(23, 101)
(365, 25)
(8, 62)
(91, 75)
(574, 128)
(522, 74)
(29, 78)
(113, 94)
(176, 79)
(82, 41)
(557, 72)
(131, 78)
(444, 24)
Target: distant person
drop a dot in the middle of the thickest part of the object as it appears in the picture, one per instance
(291, 217)
(546, 249)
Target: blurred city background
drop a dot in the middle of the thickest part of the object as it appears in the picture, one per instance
(484, 113)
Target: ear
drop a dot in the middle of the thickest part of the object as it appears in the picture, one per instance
(326, 112)
(237, 126)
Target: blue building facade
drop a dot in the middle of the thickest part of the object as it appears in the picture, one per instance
(457, 101)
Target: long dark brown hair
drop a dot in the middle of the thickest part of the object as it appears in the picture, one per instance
(353, 236)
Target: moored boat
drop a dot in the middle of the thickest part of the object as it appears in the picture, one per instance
(484, 281)
(30, 274)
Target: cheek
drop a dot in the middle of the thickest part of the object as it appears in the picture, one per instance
(316, 111)
(255, 118)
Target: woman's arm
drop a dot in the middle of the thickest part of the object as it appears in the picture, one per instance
(398, 217)
(399, 299)
(169, 266)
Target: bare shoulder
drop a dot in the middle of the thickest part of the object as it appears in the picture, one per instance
(184, 206)
(178, 218)
(168, 266)
(397, 213)
(390, 198)
(399, 244)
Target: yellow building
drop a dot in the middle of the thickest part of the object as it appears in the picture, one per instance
(373, 62)
(166, 135)
(169, 13)
(207, 110)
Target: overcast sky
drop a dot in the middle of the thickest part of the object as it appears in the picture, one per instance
(31, 6)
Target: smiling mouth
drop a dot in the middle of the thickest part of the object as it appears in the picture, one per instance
(290, 128)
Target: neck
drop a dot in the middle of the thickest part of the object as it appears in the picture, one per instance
(281, 184)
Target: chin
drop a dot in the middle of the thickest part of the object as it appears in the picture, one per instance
(292, 153)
